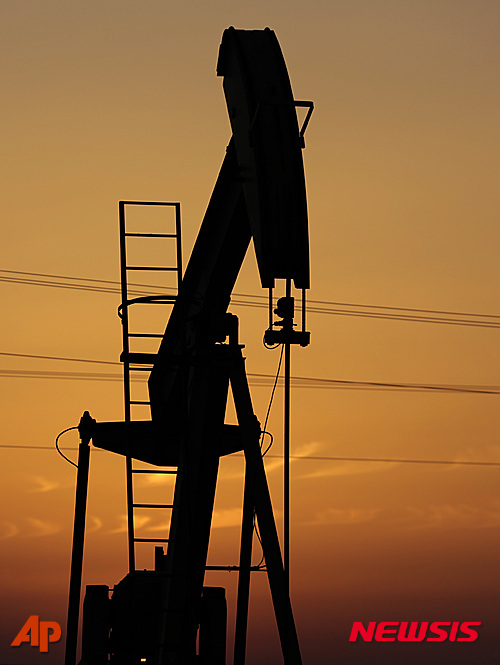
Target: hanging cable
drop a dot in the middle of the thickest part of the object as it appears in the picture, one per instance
(270, 442)
(59, 450)
(261, 565)
(263, 430)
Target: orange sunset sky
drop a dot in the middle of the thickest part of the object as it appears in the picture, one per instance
(103, 101)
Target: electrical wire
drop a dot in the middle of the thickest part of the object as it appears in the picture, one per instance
(314, 382)
(404, 309)
(255, 379)
(263, 430)
(59, 450)
(42, 374)
(311, 458)
(388, 460)
(260, 565)
(270, 442)
(407, 318)
(75, 360)
(388, 312)
(263, 297)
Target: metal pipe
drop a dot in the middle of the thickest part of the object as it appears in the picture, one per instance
(303, 310)
(286, 477)
(240, 638)
(270, 308)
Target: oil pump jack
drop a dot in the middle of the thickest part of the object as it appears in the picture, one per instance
(159, 616)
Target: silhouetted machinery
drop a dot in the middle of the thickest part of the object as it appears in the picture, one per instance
(166, 615)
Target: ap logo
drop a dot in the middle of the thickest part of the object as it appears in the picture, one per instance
(38, 633)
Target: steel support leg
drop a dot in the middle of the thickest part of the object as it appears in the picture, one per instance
(244, 567)
(75, 582)
(265, 518)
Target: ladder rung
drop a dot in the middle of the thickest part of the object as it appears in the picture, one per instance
(172, 204)
(162, 299)
(166, 471)
(152, 505)
(151, 235)
(140, 369)
(156, 335)
(230, 568)
(139, 358)
(155, 268)
(151, 540)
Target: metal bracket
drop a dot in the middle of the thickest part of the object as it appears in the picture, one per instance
(296, 104)
(310, 106)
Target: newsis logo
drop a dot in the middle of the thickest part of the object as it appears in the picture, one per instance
(415, 631)
(38, 633)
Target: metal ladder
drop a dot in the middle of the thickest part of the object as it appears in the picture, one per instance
(135, 361)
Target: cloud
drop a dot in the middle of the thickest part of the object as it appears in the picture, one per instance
(303, 451)
(431, 516)
(454, 516)
(337, 468)
(41, 528)
(345, 516)
(273, 464)
(36, 528)
(485, 453)
(162, 526)
(138, 523)
(44, 484)
(326, 468)
(94, 524)
(226, 517)
(272, 461)
(8, 530)
(159, 479)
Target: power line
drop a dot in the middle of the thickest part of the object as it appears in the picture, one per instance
(74, 360)
(44, 374)
(312, 382)
(403, 309)
(256, 379)
(388, 460)
(313, 458)
(406, 318)
(42, 274)
(406, 314)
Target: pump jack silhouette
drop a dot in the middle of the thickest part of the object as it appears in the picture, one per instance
(156, 616)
